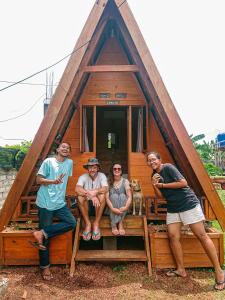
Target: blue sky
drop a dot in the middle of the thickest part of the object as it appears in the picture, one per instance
(185, 38)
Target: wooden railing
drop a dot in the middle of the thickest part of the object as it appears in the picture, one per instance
(156, 208)
(27, 208)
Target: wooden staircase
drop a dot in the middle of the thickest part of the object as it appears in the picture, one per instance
(134, 226)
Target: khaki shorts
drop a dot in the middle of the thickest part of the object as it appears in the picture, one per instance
(191, 216)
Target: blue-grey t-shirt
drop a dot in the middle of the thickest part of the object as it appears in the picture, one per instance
(52, 196)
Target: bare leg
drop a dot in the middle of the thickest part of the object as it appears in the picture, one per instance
(99, 212)
(121, 228)
(199, 231)
(83, 206)
(174, 232)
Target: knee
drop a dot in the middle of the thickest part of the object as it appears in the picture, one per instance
(81, 199)
(202, 236)
(102, 198)
(173, 237)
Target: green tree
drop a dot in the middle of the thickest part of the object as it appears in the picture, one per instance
(12, 156)
(207, 153)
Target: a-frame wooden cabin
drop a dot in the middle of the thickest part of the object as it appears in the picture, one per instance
(110, 103)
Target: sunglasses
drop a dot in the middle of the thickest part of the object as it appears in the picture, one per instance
(118, 169)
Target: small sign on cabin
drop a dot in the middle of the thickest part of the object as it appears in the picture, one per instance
(112, 102)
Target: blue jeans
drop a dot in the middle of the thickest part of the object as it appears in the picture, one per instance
(50, 230)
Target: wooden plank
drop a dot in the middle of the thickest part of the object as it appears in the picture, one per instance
(111, 255)
(129, 232)
(81, 128)
(194, 254)
(147, 246)
(75, 248)
(221, 249)
(94, 129)
(110, 68)
(129, 137)
(109, 242)
(1, 251)
(18, 251)
(129, 222)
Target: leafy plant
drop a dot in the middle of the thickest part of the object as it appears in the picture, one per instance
(12, 156)
(213, 170)
(207, 153)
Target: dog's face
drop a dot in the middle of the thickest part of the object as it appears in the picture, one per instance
(135, 184)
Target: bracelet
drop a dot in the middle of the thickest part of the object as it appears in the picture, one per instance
(162, 186)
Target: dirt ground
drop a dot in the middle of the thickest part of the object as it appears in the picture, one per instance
(99, 281)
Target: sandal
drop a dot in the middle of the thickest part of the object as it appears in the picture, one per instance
(37, 245)
(96, 235)
(86, 235)
(219, 283)
(46, 277)
(173, 273)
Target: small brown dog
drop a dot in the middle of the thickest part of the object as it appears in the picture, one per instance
(138, 199)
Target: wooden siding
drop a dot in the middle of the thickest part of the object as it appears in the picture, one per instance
(72, 136)
(112, 82)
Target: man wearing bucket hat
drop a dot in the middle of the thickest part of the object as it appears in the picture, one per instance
(92, 186)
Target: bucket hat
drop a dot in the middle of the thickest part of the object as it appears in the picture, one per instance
(91, 162)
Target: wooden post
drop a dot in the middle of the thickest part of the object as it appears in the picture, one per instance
(75, 247)
(147, 246)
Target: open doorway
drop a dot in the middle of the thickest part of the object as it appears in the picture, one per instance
(111, 137)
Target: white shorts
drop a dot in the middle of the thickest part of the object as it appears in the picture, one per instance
(191, 216)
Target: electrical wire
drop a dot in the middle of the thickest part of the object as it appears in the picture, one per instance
(26, 112)
(45, 69)
(122, 3)
(29, 83)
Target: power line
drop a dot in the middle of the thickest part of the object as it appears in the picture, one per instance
(122, 3)
(2, 138)
(28, 83)
(26, 112)
(45, 69)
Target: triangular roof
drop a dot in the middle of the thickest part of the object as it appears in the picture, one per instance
(68, 90)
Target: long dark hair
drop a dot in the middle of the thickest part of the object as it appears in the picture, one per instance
(111, 175)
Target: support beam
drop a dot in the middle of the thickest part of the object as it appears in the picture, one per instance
(110, 68)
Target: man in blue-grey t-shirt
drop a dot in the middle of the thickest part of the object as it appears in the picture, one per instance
(53, 177)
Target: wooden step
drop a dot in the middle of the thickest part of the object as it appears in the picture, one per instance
(128, 222)
(129, 232)
(111, 255)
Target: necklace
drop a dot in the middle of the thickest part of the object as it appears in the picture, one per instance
(117, 184)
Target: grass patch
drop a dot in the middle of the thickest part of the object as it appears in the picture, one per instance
(119, 268)
(222, 195)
